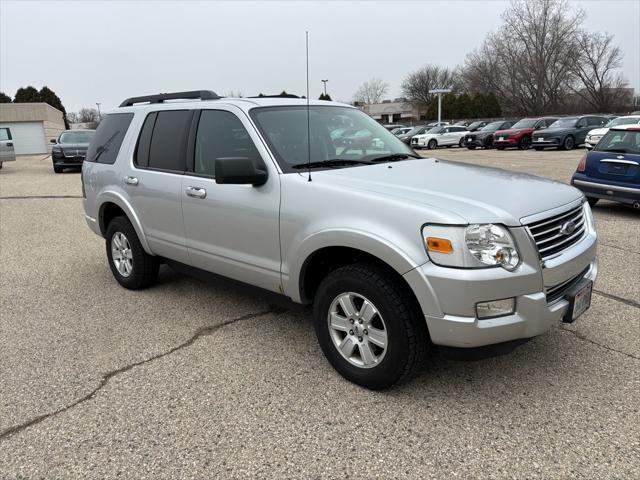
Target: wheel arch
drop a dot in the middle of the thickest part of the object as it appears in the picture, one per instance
(113, 205)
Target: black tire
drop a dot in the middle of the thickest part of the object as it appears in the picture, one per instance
(0, 165)
(144, 271)
(524, 143)
(471, 147)
(568, 143)
(57, 169)
(432, 145)
(500, 148)
(407, 336)
(461, 142)
(592, 201)
(538, 149)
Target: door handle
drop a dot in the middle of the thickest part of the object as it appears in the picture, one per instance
(9, 144)
(131, 180)
(196, 192)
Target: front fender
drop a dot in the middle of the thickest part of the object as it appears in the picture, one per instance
(367, 242)
(112, 196)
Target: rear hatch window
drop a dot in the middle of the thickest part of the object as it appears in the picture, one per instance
(106, 142)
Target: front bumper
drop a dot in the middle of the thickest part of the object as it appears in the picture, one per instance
(68, 161)
(550, 142)
(618, 192)
(448, 296)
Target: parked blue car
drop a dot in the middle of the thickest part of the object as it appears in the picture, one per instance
(566, 133)
(612, 169)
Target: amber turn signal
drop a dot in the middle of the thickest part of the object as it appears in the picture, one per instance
(442, 245)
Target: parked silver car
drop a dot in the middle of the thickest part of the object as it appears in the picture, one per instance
(395, 252)
(7, 151)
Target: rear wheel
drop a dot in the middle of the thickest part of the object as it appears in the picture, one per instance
(57, 169)
(568, 143)
(461, 143)
(592, 201)
(432, 145)
(132, 267)
(525, 143)
(368, 326)
(499, 148)
(471, 147)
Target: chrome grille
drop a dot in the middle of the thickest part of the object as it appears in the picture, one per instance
(558, 291)
(549, 236)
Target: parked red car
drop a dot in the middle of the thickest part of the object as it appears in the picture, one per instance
(519, 135)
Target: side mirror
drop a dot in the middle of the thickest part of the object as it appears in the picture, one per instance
(53, 140)
(239, 171)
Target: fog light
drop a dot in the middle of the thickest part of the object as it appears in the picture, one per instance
(495, 308)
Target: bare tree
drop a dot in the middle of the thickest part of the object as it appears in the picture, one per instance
(72, 117)
(88, 115)
(599, 84)
(529, 62)
(416, 85)
(371, 91)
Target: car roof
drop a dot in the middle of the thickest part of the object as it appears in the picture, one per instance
(78, 130)
(633, 127)
(245, 104)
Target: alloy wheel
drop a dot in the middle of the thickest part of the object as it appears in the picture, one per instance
(357, 330)
(121, 254)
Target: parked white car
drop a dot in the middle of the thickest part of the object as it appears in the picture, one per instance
(594, 136)
(440, 137)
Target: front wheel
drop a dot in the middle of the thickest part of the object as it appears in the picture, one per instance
(57, 169)
(471, 147)
(369, 327)
(132, 267)
(525, 143)
(432, 145)
(461, 143)
(568, 143)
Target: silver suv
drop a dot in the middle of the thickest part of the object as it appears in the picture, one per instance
(395, 252)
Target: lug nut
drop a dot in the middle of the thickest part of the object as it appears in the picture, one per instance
(350, 332)
(359, 339)
(360, 320)
(366, 332)
(351, 320)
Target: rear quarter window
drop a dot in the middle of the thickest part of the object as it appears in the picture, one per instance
(106, 142)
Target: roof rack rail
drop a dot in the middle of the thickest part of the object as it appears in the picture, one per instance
(161, 97)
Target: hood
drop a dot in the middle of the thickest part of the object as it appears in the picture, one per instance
(483, 134)
(471, 193)
(515, 131)
(598, 131)
(554, 131)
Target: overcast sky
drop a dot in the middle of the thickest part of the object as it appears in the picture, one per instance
(91, 52)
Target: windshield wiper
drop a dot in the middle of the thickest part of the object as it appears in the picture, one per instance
(394, 157)
(334, 162)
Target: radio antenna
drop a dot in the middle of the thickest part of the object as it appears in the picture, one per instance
(308, 115)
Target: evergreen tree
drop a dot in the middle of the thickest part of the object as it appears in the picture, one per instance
(4, 98)
(27, 95)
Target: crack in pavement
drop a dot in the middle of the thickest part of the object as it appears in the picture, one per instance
(588, 340)
(39, 197)
(626, 301)
(202, 331)
(619, 248)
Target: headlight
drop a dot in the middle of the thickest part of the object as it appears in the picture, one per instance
(472, 246)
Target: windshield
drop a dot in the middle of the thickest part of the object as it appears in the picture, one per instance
(76, 137)
(621, 141)
(361, 138)
(475, 125)
(623, 121)
(525, 123)
(564, 123)
(435, 130)
(492, 126)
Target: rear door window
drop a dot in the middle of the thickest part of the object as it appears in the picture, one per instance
(5, 134)
(169, 140)
(108, 138)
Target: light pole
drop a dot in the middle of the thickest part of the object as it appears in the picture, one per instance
(98, 105)
(440, 91)
(325, 86)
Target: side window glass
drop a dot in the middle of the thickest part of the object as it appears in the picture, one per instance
(221, 135)
(168, 141)
(144, 141)
(582, 123)
(105, 145)
(4, 134)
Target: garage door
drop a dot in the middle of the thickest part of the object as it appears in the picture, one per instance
(28, 137)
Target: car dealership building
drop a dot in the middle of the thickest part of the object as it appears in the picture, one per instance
(32, 126)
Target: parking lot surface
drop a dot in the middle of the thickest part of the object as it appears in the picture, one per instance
(194, 379)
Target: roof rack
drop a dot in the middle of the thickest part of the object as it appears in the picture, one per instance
(161, 97)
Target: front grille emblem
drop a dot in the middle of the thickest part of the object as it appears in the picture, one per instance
(567, 228)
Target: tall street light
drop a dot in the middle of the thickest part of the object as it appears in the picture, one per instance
(325, 86)
(439, 92)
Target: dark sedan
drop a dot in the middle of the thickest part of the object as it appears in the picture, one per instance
(484, 137)
(612, 169)
(566, 133)
(70, 149)
(419, 130)
(474, 126)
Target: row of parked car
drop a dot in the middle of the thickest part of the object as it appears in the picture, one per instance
(538, 133)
